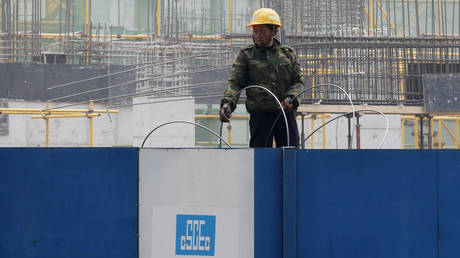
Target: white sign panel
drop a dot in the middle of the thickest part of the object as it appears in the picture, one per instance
(196, 203)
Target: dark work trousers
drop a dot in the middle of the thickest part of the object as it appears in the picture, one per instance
(260, 124)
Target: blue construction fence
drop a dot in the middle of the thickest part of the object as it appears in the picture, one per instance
(83, 202)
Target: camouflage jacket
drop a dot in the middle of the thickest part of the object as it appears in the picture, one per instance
(275, 68)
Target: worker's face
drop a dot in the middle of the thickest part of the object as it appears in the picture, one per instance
(263, 35)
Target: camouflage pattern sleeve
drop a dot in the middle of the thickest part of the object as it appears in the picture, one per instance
(237, 80)
(295, 87)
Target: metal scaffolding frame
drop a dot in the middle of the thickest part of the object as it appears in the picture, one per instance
(376, 49)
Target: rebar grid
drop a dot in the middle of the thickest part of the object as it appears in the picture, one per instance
(376, 49)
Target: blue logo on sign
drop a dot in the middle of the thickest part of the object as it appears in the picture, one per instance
(195, 234)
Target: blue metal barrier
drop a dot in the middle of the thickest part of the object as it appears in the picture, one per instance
(82, 202)
(268, 203)
(449, 199)
(367, 203)
(68, 202)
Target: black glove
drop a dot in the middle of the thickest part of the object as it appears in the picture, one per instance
(225, 113)
(288, 104)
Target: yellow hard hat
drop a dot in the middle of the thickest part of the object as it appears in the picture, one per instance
(265, 16)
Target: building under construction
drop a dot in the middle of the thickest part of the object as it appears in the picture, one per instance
(141, 80)
(378, 51)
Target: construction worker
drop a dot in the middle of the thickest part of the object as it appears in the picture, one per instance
(274, 66)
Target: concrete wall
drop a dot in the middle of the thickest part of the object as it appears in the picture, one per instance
(128, 128)
(133, 123)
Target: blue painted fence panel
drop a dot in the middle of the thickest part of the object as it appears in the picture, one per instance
(68, 202)
(268, 203)
(78, 202)
(449, 200)
(366, 204)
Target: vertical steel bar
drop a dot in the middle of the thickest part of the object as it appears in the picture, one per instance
(302, 135)
(421, 132)
(430, 132)
(403, 18)
(453, 18)
(408, 18)
(15, 29)
(426, 16)
(230, 12)
(47, 120)
(148, 16)
(433, 29)
(60, 19)
(416, 133)
(91, 108)
(417, 19)
(358, 133)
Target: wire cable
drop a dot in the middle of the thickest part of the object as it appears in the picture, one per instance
(191, 86)
(134, 69)
(170, 100)
(274, 96)
(309, 89)
(183, 122)
(146, 79)
(363, 110)
(137, 94)
(164, 101)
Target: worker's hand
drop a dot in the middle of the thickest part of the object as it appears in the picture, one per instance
(225, 114)
(288, 104)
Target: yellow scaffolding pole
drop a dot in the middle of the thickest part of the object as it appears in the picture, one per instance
(439, 17)
(437, 141)
(371, 14)
(48, 113)
(229, 128)
(431, 133)
(34, 111)
(401, 75)
(388, 18)
(47, 127)
(158, 18)
(66, 116)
